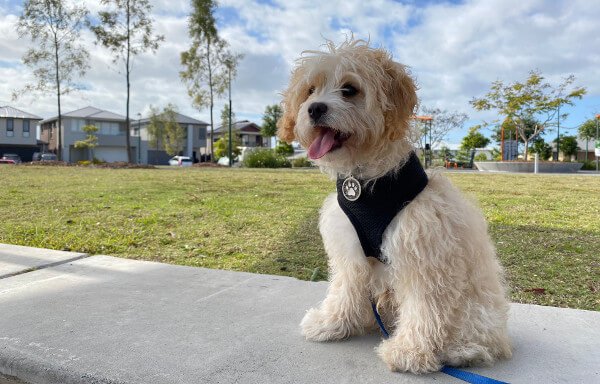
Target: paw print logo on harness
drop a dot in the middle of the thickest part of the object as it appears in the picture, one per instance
(351, 189)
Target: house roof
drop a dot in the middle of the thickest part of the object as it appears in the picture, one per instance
(181, 119)
(243, 126)
(15, 113)
(90, 113)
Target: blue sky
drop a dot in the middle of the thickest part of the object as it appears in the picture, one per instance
(454, 50)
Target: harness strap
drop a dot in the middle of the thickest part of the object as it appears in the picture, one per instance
(468, 377)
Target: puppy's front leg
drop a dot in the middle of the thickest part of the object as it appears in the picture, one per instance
(346, 309)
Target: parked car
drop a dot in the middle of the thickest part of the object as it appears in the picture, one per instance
(7, 161)
(181, 161)
(48, 157)
(36, 156)
(12, 156)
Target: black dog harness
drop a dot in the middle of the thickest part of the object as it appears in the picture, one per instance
(372, 208)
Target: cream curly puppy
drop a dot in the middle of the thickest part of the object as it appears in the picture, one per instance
(395, 235)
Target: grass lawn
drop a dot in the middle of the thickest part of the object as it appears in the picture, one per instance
(546, 227)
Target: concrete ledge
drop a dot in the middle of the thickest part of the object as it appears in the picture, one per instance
(109, 320)
(527, 166)
(15, 259)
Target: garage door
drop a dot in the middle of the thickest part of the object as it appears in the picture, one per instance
(110, 154)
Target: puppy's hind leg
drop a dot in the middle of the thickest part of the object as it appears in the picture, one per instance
(419, 335)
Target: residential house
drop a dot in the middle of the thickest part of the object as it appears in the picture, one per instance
(248, 133)
(195, 143)
(111, 145)
(18, 132)
(582, 154)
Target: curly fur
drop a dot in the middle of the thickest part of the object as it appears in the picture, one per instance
(441, 292)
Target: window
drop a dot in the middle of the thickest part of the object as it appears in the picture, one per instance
(108, 128)
(202, 133)
(77, 125)
(26, 128)
(10, 127)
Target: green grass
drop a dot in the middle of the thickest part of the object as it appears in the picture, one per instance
(546, 228)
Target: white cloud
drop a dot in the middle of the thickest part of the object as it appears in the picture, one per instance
(454, 50)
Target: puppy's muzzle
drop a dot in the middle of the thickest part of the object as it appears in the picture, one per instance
(316, 111)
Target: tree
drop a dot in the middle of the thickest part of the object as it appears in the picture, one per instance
(174, 133)
(445, 153)
(543, 149)
(208, 64)
(270, 117)
(587, 131)
(474, 139)
(156, 127)
(225, 119)
(442, 123)
(91, 140)
(533, 98)
(164, 128)
(126, 30)
(568, 146)
(510, 129)
(222, 146)
(58, 58)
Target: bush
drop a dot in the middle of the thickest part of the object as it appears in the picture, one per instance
(95, 161)
(284, 149)
(589, 165)
(481, 157)
(301, 162)
(265, 158)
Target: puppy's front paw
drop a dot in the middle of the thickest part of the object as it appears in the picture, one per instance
(401, 359)
(317, 326)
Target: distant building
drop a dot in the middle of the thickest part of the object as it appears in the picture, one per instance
(153, 151)
(582, 154)
(18, 132)
(111, 135)
(247, 131)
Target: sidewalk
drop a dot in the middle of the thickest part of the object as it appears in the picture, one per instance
(107, 320)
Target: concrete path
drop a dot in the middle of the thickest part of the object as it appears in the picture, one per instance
(107, 320)
(15, 259)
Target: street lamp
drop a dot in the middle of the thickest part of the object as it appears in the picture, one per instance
(428, 154)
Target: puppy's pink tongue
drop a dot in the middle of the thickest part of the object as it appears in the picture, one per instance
(322, 144)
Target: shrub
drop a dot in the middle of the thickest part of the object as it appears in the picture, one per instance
(481, 157)
(284, 148)
(301, 162)
(265, 158)
(589, 165)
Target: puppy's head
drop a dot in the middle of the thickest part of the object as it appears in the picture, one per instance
(346, 105)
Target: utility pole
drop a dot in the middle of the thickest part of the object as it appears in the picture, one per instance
(558, 134)
(230, 158)
(597, 143)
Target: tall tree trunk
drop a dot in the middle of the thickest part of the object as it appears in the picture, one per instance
(127, 139)
(59, 129)
(210, 86)
(525, 154)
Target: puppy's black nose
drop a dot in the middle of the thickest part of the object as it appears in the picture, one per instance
(316, 110)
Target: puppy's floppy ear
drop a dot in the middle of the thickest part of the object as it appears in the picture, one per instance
(402, 99)
(287, 122)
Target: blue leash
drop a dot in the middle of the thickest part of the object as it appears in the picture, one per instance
(469, 377)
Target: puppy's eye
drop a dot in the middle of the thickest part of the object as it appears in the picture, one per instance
(348, 90)
(311, 90)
